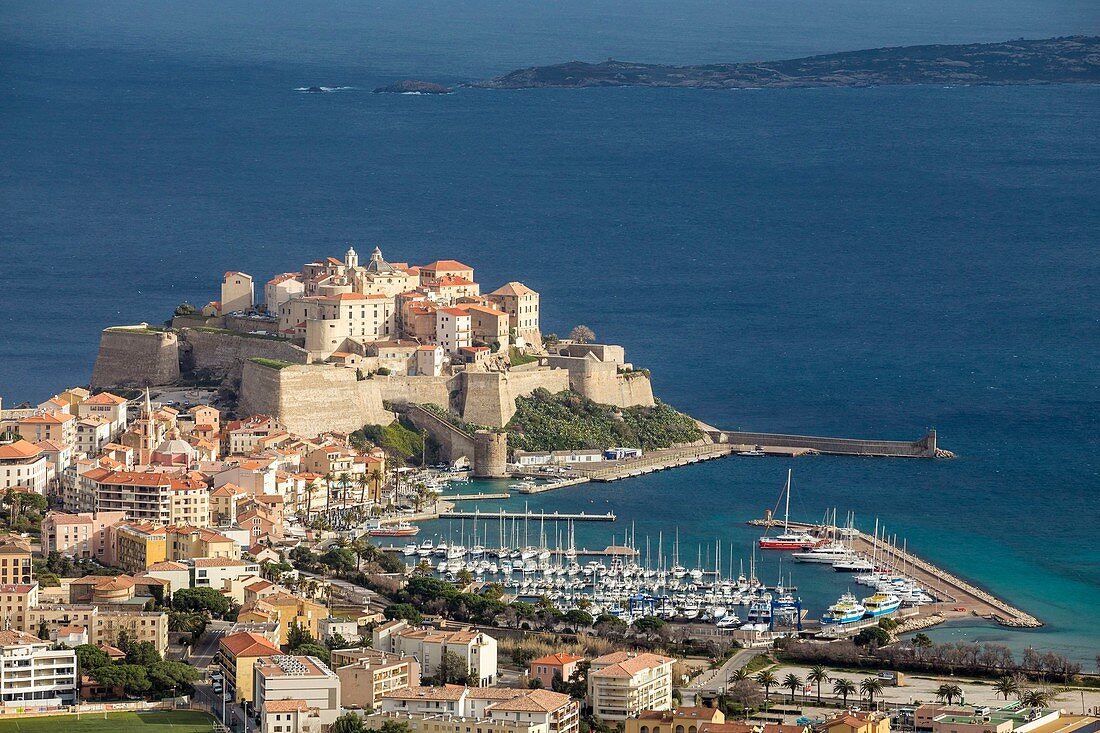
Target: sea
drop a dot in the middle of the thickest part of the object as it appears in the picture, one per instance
(850, 262)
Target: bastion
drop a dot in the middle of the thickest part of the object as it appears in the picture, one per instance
(136, 356)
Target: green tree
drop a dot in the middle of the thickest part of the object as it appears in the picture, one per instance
(870, 686)
(921, 642)
(767, 680)
(1006, 686)
(403, 611)
(395, 726)
(203, 600)
(452, 670)
(1035, 698)
(464, 578)
(143, 653)
(184, 309)
(818, 675)
(843, 687)
(793, 683)
(648, 625)
(872, 635)
(348, 723)
(298, 636)
(949, 693)
(577, 618)
(90, 657)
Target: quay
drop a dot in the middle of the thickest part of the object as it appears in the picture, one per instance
(958, 598)
(477, 497)
(552, 516)
(609, 551)
(540, 488)
(782, 444)
(658, 460)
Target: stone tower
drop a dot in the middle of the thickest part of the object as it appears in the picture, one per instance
(490, 454)
(351, 259)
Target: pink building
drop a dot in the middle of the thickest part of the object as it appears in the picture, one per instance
(545, 669)
(80, 535)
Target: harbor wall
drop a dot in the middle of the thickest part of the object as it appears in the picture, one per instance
(452, 442)
(923, 448)
(136, 356)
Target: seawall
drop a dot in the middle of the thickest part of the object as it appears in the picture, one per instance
(136, 356)
(601, 381)
(923, 448)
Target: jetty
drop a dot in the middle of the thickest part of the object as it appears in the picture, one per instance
(957, 596)
(794, 445)
(559, 484)
(476, 497)
(658, 460)
(552, 516)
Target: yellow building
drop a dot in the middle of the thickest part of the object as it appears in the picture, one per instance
(102, 622)
(856, 722)
(237, 654)
(190, 542)
(521, 303)
(237, 293)
(623, 684)
(16, 601)
(139, 546)
(15, 562)
(287, 610)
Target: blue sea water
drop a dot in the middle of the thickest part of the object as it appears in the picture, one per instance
(855, 262)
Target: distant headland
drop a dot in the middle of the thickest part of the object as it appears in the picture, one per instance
(1071, 59)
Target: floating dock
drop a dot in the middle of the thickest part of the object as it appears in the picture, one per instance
(476, 497)
(540, 488)
(552, 516)
(783, 444)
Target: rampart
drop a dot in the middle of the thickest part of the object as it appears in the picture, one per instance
(453, 443)
(226, 353)
(600, 381)
(137, 356)
(923, 448)
(309, 399)
(489, 398)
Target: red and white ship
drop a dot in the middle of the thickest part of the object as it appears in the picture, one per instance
(789, 540)
(402, 529)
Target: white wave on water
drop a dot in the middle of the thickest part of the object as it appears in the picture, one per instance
(324, 89)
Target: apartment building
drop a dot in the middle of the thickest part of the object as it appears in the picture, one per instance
(368, 674)
(623, 684)
(23, 464)
(237, 653)
(16, 601)
(33, 674)
(102, 622)
(304, 679)
(476, 649)
(83, 535)
(540, 711)
(15, 561)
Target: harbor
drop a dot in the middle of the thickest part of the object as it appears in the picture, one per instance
(529, 515)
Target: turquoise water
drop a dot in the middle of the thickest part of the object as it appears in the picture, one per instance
(865, 263)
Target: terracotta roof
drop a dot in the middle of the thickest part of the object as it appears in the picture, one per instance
(426, 693)
(445, 265)
(454, 312)
(10, 637)
(627, 664)
(559, 658)
(541, 701)
(285, 706)
(166, 565)
(248, 644)
(513, 288)
(19, 449)
(105, 398)
(219, 562)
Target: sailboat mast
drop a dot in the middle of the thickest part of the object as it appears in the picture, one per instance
(787, 508)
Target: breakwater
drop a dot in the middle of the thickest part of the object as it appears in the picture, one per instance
(552, 516)
(925, 447)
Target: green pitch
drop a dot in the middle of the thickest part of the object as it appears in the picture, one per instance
(169, 721)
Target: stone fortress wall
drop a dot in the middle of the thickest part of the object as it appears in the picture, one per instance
(135, 356)
(226, 353)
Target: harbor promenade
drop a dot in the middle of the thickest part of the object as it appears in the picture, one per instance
(957, 597)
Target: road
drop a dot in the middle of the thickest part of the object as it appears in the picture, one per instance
(353, 594)
(716, 680)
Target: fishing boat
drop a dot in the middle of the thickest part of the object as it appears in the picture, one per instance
(881, 604)
(401, 529)
(788, 540)
(844, 611)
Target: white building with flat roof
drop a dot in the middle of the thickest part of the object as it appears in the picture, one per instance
(33, 675)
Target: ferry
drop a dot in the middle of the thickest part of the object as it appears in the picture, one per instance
(402, 529)
(881, 604)
(844, 611)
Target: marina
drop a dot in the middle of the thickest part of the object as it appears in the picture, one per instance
(551, 516)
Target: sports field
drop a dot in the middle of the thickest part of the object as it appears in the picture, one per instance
(168, 721)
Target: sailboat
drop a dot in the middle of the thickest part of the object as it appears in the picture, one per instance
(788, 540)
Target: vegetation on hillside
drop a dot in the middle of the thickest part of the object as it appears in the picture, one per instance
(270, 363)
(397, 440)
(569, 421)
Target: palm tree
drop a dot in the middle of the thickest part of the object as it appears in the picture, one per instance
(817, 675)
(920, 643)
(328, 479)
(363, 483)
(358, 546)
(1035, 698)
(376, 478)
(739, 674)
(948, 693)
(870, 686)
(792, 682)
(766, 680)
(1006, 686)
(344, 479)
(310, 491)
(843, 687)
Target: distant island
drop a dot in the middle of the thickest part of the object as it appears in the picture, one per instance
(1072, 59)
(413, 86)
